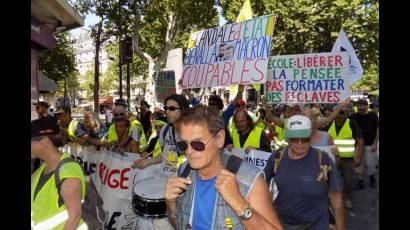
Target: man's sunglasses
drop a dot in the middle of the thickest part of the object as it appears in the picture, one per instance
(118, 114)
(296, 140)
(197, 145)
(38, 138)
(171, 108)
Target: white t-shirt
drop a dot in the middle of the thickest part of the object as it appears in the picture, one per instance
(169, 153)
(108, 115)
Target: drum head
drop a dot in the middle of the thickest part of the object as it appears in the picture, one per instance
(151, 188)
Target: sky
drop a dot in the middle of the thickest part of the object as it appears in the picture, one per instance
(91, 19)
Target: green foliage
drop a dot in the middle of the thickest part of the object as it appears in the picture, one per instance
(59, 62)
(310, 26)
(189, 16)
(88, 83)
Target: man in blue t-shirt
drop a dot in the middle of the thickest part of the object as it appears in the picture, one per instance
(305, 181)
(210, 196)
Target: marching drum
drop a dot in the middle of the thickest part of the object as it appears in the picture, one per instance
(148, 198)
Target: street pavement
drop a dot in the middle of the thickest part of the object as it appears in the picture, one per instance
(365, 212)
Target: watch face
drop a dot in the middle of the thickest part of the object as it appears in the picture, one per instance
(248, 213)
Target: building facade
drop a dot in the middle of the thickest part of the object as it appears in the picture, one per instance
(47, 17)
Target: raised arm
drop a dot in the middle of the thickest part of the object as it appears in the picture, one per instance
(269, 116)
(238, 96)
(323, 121)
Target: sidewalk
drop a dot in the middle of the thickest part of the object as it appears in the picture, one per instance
(365, 212)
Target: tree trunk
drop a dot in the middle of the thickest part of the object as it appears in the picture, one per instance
(97, 76)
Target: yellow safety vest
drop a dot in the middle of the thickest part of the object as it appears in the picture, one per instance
(72, 128)
(45, 213)
(112, 135)
(253, 139)
(157, 149)
(261, 125)
(344, 141)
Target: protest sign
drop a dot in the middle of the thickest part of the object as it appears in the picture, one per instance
(257, 158)
(308, 78)
(236, 53)
(165, 85)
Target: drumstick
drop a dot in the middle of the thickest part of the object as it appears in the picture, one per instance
(145, 157)
(172, 164)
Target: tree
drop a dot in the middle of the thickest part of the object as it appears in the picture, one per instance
(307, 26)
(158, 26)
(88, 84)
(100, 32)
(59, 62)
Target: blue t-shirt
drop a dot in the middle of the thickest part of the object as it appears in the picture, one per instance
(204, 201)
(302, 199)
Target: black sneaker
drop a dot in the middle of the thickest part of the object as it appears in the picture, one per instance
(359, 185)
(372, 181)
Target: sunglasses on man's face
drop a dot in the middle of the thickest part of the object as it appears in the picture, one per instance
(170, 108)
(297, 140)
(38, 138)
(118, 114)
(197, 145)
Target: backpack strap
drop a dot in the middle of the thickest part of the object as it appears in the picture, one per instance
(278, 158)
(324, 166)
(187, 171)
(57, 178)
(233, 165)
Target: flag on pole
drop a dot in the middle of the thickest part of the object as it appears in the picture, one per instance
(246, 12)
(355, 68)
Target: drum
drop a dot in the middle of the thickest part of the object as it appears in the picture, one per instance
(148, 199)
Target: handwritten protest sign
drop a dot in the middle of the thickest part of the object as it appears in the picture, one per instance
(236, 53)
(165, 85)
(308, 78)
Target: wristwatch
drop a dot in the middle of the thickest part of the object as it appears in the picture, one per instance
(246, 214)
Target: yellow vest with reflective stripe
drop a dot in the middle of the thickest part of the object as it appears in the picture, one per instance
(253, 139)
(71, 128)
(143, 140)
(344, 141)
(45, 213)
(157, 149)
(112, 135)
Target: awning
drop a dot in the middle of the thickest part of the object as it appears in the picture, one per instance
(45, 84)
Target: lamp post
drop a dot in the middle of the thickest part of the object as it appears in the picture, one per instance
(120, 72)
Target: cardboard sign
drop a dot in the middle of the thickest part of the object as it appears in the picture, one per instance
(165, 85)
(308, 78)
(236, 53)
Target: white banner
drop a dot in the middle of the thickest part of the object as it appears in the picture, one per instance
(114, 179)
(257, 158)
